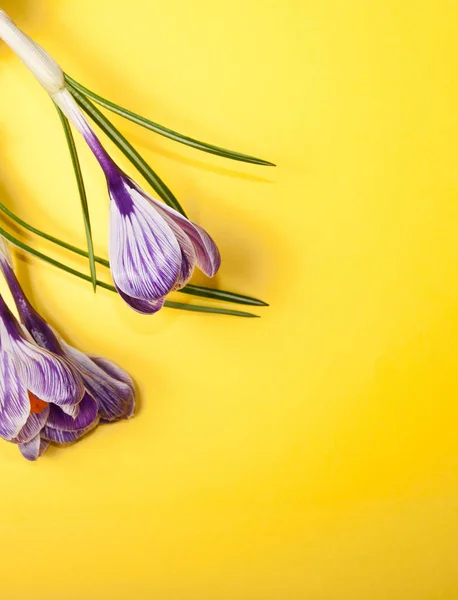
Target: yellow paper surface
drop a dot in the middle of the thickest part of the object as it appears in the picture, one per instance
(310, 454)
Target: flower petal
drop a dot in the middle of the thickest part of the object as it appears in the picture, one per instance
(47, 376)
(112, 369)
(207, 254)
(115, 398)
(88, 413)
(145, 255)
(58, 436)
(14, 401)
(33, 449)
(33, 426)
(145, 307)
(188, 253)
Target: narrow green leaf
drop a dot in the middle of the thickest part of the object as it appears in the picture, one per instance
(128, 150)
(165, 131)
(107, 286)
(194, 290)
(44, 257)
(211, 309)
(48, 237)
(82, 194)
(204, 292)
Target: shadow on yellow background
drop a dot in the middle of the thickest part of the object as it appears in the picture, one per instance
(310, 454)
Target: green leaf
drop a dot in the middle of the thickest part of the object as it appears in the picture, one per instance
(165, 131)
(46, 258)
(107, 286)
(48, 237)
(128, 150)
(204, 292)
(82, 194)
(210, 309)
(194, 290)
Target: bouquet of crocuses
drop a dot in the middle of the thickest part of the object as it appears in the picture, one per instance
(50, 392)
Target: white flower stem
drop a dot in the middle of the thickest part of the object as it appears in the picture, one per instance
(37, 60)
(51, 77)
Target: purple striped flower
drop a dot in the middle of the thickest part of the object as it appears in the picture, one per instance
(153, 248)
(49, 391)
(34, 384)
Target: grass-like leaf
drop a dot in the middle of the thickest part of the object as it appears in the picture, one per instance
(82, 194)
(211, 309)
(204, 292)
(194, 290)
(128, 150)
(107, 286)
(165, 131)
(49, 237)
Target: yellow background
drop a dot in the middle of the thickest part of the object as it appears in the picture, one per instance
(312, 453)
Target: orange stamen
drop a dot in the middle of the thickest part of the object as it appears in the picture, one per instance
(36, 405)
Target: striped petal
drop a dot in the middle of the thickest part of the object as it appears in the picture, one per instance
(206, 251)
(87, 414)
(14, 400)
(64, 438)
(47, 376)
(145, 307)
(112, 369)
(114, 396)
(33, 449)
(188, 253)
(145, 255)
(33, 426)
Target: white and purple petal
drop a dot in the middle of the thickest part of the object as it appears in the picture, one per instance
(114, 395)
(63, 438)
(207, 255)
(112, 369)
(87, 414)
(145, 307)
(47, 376)
(33, 426)
(14, 400)
(145, 255)
(35, 448)
(188, 253)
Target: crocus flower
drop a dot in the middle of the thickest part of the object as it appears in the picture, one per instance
(153, 249)
(32, 380)
(50, 391)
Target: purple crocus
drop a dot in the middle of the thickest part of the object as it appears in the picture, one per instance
(50, 391)
(153, 248)
(34, 383)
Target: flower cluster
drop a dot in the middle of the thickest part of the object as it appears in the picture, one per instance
(51, 392)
